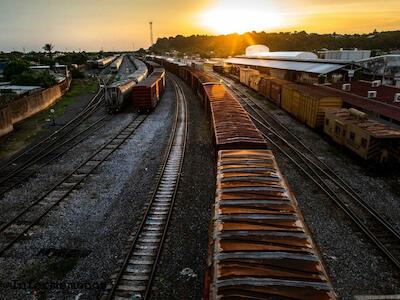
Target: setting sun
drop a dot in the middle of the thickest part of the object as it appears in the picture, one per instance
(224, 18)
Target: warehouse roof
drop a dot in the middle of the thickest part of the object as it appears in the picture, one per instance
(309, 66)
(285, 55)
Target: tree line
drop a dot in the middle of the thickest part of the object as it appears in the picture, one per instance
(235, 44)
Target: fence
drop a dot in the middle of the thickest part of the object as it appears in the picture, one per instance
(29, 105)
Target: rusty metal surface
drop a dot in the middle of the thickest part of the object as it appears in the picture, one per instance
(259, 247)
(372, 127)
(232, 126)
(147, 93)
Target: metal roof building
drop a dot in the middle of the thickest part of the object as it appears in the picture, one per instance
(315, 67)
(296, 69)
(283, 55)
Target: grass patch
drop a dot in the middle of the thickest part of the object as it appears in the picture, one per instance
(78, 88)
(33, 128)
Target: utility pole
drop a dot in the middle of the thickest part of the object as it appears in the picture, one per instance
(151, 33)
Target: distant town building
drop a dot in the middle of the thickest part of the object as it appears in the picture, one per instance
(17, 89)
(348, 55)
(60, 72)
(385, 67)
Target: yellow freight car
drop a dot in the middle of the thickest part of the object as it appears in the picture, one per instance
(245, 74)
(265, 85)
(370, 139)
(275, 89)
(254, 82)
(308, 103)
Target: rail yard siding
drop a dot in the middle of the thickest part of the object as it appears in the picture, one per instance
(25, 107)
(259, 244)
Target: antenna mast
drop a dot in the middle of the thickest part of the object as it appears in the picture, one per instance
(151, 33)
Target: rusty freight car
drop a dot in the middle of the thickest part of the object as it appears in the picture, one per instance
(245, 74)
(369, 139)
(231, 125)
(275, 89)
(259, 247)
(147, 93)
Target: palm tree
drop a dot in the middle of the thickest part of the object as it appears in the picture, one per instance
(48, 48)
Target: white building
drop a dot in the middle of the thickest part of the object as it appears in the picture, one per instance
(261, 51)
(349, 55)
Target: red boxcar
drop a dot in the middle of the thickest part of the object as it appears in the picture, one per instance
(146, 94)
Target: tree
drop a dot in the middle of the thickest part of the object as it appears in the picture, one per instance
(43, 79)
(49, 48)
(15, 67)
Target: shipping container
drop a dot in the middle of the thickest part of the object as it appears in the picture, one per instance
(259, 245)
(308, 103)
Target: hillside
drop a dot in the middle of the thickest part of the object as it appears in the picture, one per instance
(234, 44)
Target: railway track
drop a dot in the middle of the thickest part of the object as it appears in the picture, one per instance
(135, 276)
(368, 220)
(27, 162)
(13, 230)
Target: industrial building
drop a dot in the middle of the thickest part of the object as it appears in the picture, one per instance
(298, 66)
(385, 68)
(346, 55)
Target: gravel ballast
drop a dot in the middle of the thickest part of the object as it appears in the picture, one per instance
(82, 240)
(180, 273)
(354, 264)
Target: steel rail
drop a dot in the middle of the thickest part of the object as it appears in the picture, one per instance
(53, 145)
(121, 136)
(70, 143)
(143, 280)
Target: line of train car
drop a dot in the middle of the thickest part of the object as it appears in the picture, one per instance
(147, 93)
(259, 246)
(310, 104)
(116, 64)
(104, 62)
(119, 92)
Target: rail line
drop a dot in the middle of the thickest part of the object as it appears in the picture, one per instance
(370, 221)
(136, 274)
(17, 227)
(23, 165)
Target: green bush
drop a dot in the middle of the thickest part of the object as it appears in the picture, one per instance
(43, 79)
(14, 68)
(78, 58)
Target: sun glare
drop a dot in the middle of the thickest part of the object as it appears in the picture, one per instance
(229, 17)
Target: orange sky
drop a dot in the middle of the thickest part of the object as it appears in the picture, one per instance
(118, 24)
